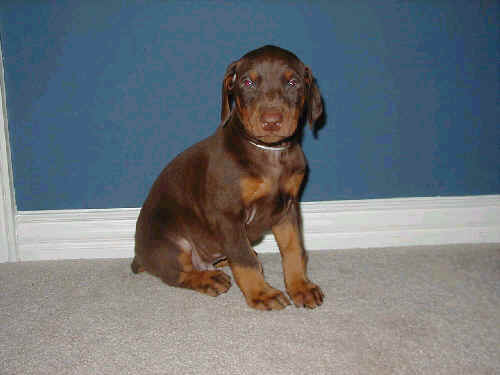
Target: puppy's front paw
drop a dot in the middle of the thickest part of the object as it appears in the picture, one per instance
(306, 294)
(268, 299)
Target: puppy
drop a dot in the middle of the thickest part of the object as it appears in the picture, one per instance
(219, 196)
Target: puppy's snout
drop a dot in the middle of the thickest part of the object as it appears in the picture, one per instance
(271, 120)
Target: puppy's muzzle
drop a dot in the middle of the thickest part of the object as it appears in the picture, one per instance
(271, 120)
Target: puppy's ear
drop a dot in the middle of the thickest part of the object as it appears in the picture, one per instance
(314, 104)
(227, 87)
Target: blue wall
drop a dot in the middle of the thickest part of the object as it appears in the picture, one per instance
(102, 94)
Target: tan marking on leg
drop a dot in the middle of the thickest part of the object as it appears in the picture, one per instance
(209, 282)
(253, 188)
(301, 290)
(258, 293)
(293, 255)
(212, 283)
(185, 261)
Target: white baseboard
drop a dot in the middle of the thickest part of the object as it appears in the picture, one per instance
(73, 234)
(8, 250)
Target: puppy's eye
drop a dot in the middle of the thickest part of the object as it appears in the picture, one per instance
(248, 82)
(293, 82)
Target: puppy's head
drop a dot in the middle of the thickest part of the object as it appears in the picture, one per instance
(270, 89)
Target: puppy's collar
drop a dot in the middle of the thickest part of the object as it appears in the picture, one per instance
(282, 147)
(277, 147)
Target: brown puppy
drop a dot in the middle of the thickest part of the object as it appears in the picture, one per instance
(220, 195)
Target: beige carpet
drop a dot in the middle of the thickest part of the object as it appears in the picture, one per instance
(417, 310)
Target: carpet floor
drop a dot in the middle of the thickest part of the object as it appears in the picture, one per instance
(416, 310)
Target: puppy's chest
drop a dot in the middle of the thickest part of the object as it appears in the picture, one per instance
(266, 197)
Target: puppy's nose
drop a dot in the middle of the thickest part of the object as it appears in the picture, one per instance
(271, 120)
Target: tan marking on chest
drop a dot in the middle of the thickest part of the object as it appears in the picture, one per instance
(253, 188)
(292, 184)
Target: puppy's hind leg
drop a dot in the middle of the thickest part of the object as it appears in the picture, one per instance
(211, 282)
(174, 266)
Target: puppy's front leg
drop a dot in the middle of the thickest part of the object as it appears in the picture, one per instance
(247, 272)
(302, 291)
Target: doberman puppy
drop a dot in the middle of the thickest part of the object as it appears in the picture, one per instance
(219, 196)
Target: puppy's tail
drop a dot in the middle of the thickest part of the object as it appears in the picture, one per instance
(136, 266)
